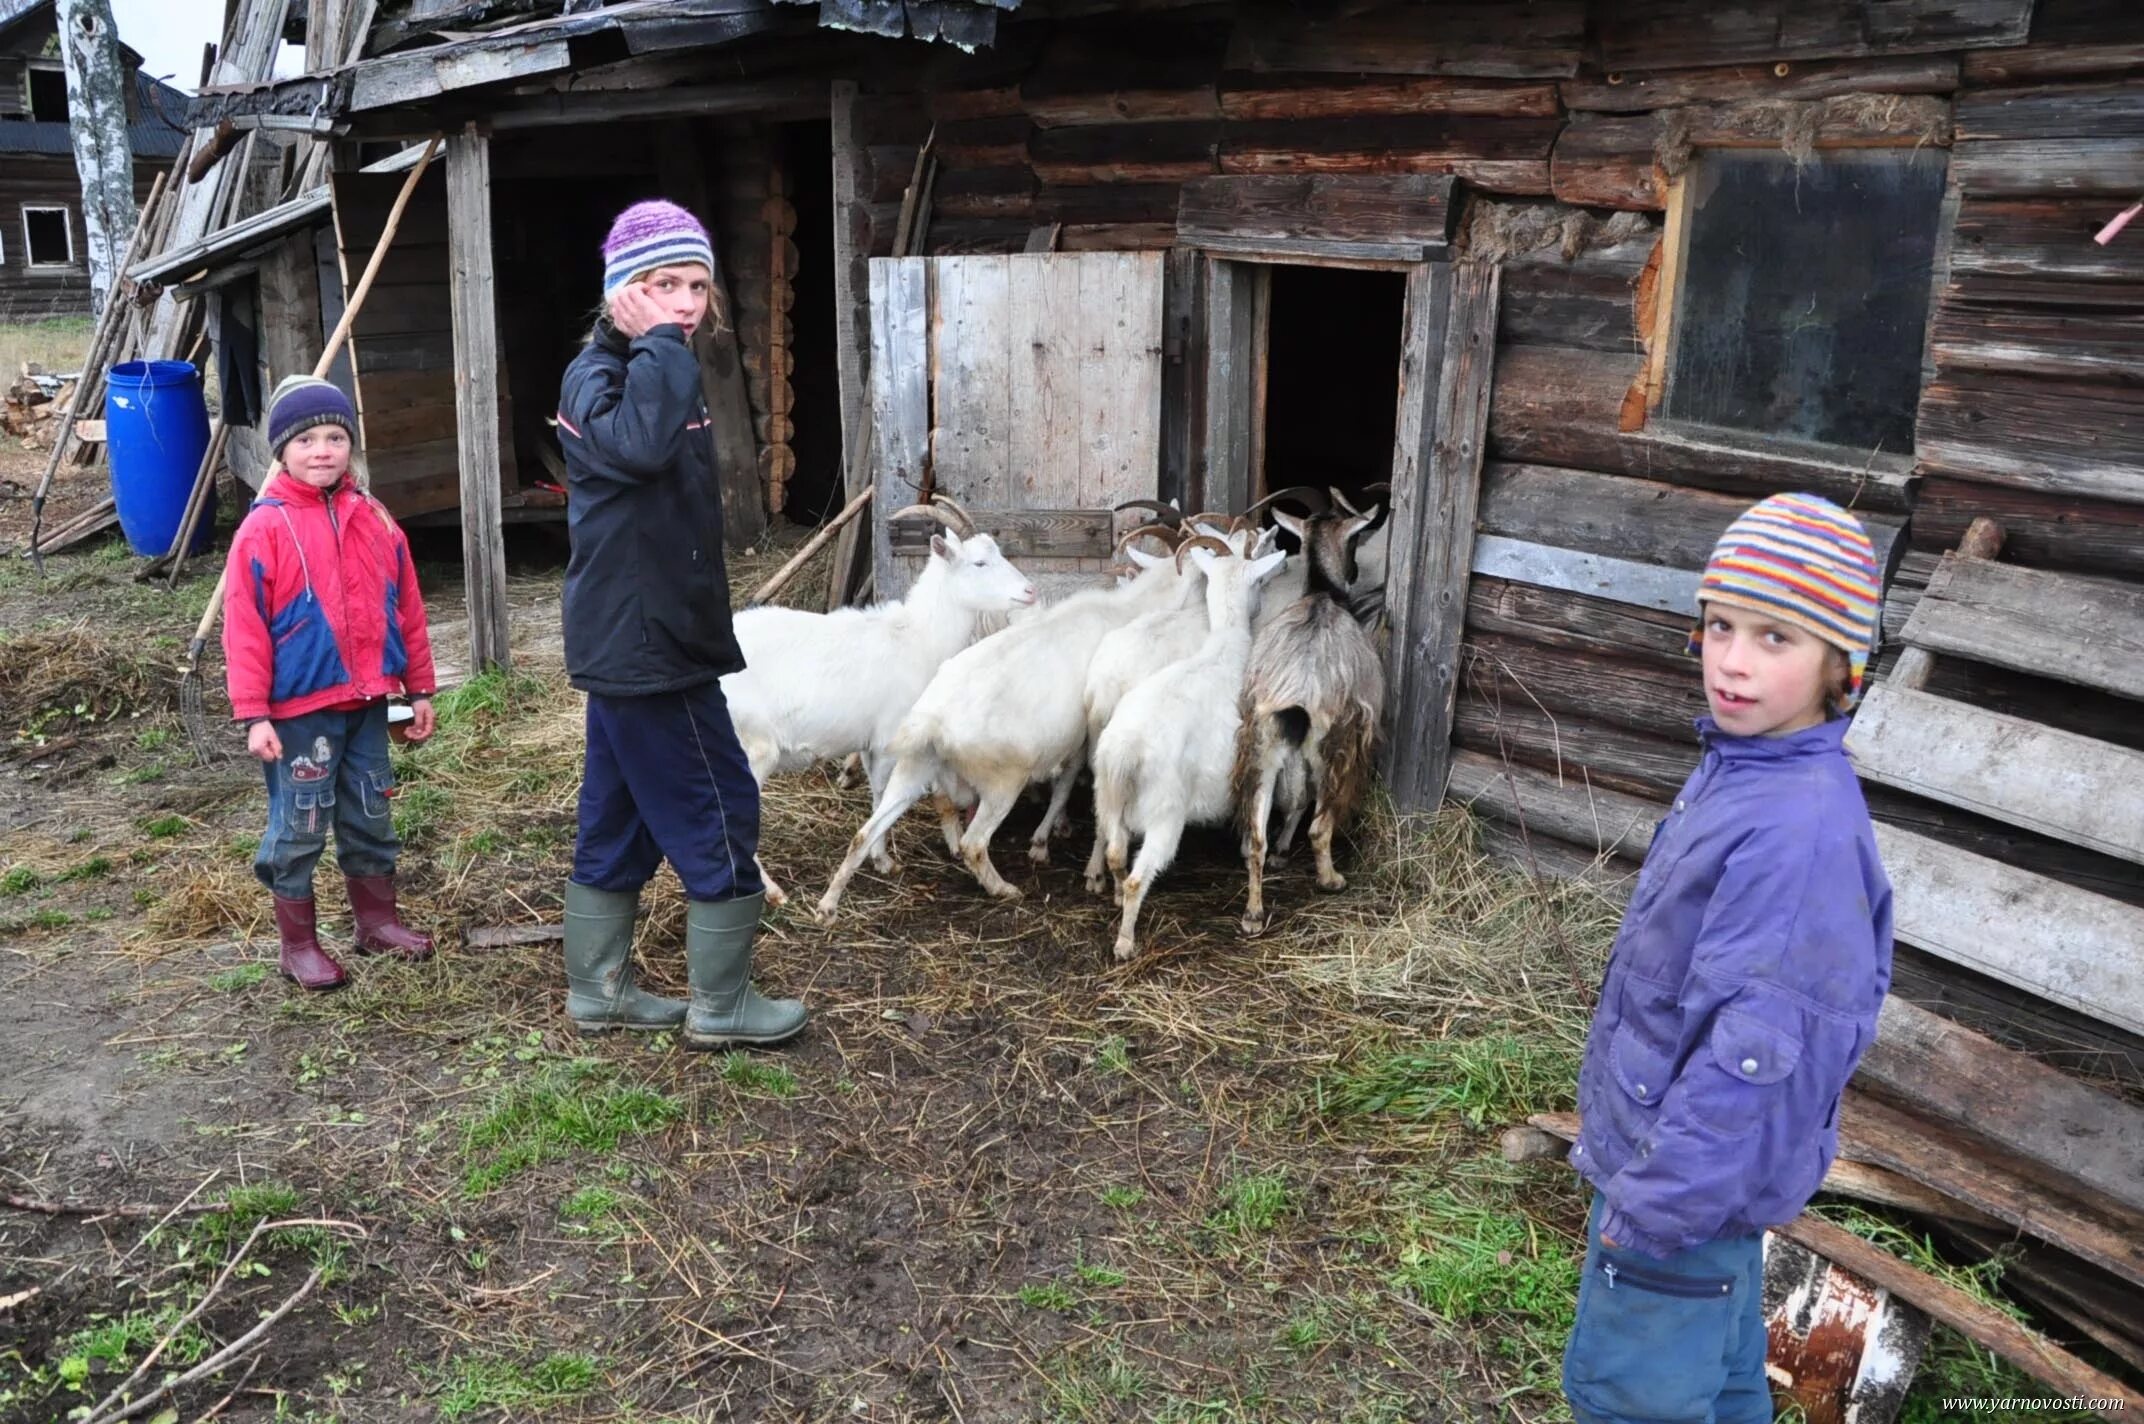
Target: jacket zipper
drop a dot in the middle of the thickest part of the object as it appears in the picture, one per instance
(1683, 1287)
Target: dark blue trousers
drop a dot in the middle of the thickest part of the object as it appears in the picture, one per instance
(335, 772)
(1679, 1341)
(666, 780)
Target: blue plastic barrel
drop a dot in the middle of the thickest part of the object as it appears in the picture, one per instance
(156, 430)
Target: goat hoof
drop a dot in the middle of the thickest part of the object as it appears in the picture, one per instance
(1095, 885)
(1253, 926)
(1039, 852)
(825, 911)
(1126, 950)
(776, 895)
(1007, 893)
(1333, 886)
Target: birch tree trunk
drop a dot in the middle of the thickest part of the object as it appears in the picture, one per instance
(97, 117)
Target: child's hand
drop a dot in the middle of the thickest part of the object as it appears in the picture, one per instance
(634, 312)
(262, 742)
(422, 719)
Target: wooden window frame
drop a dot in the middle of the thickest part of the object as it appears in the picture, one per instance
(29, 247)
(29, 97)
(1644, 407)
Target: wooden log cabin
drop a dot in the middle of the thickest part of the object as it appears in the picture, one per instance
(44, 248)
(1579, 278)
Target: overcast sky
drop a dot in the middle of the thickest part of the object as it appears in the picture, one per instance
(168, 34)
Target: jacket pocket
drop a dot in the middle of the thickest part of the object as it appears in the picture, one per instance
(1623, 1274)
(1641, 1066)
(1754, 1046)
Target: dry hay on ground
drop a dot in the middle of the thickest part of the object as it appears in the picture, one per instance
(52, 679)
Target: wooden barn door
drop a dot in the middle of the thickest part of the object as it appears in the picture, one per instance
(1027, 387)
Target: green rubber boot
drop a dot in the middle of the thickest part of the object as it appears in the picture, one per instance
(726, 1009)
(600, 992)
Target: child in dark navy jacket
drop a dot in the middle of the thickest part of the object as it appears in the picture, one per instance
(647, 625)
(322, 621)
(1743, 988)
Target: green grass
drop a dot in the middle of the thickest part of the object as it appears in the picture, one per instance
(1113, 1055)
(163, 828)
(20, 880)
(248, 1205)
(1093, 1383)
(748, 1075)
(420, 810)
(58, 343)
(474, 1385)
(1120, 1197)
(94, 868)
(1251, 1205)
(155, 739)
(51, 920)
(1492, 1079)
(1470, 1255)
(1099, 1277)
(1050, 1295)
(595, 1211)
(565, 1106)
(241, 977)
(112, 1342)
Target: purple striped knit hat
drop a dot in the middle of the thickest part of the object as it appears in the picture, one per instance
(649, 235)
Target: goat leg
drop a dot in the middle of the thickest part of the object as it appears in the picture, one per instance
(1322, 824)
(1155, 854)
(776, 895)
(995, 805)
(1254, 863)
(1038, 845)
(903, 790)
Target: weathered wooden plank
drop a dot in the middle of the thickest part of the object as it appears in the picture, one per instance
(404, 79)
(2051, 1032)
(1596, 820)
(1590, 302)
(1125, 153)
(1109, 203)
(1637, 93)
(900, 401)
(474, 294)
(1512, 39)
(2044, 240)
(1005, 192)
(1500, 153)
(1934, 1066)
(2038, 341)
(2052, 111)
(1998, 1183)
(1578, 621)
(2063, 437)
(1609, 161)
(2081, 950)
(1224, 468)
(1542, 856)
(1406, 218)
(2003, 614)
(1682, 34)
(2036, 62)
(1119, 374)
(2076, 789)
(1120, 68)
(1044, 378)
(1333, 96)
(1563, 406)
(1641, 694)
(971, 405)
(2043, 530)
(1500, 720)
(1578, 571)
(1021, 533)
(2111, 167)
(1183, 387)
(1436, 476)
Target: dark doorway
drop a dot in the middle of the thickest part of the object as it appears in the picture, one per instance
(1332, 376)
(48, 96)
(814, 490)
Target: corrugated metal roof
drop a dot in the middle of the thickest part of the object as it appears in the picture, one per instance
(151, 136)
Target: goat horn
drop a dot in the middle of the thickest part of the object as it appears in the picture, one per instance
(960, 513)
(1382, 490)
(932, 511)
(1201, 541)
(1315, 500)
(1170, 514)
(1160, 531)
(1342, 500)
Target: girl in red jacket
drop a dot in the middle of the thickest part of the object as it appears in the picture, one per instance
(321, 622)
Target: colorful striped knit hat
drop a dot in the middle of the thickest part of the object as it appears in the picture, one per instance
(1801, 559)
(650, 235)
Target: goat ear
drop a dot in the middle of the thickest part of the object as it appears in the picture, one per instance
(1354, 528)
(1210, 531)
(1204, 559)
(1264, 568)
(1267, 539)
(1290, 522)
(941, 548)
(1143, 559)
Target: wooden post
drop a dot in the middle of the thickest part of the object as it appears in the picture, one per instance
(1445, 370)
(1983, 540)
(852, 337)
(476, 394)
(1225, 465)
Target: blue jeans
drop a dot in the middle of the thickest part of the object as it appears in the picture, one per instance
(334, 771)
(665, 779)
(1669, 1341)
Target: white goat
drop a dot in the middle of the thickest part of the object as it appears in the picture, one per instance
(823, 685)
(1166, 758)
(1311, 703)
(1140, 649)
(999, 715)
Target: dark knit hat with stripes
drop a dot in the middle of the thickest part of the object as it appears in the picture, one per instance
(301, 402)
(1804, 561)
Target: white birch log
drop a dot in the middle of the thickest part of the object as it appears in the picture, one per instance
(97, 118)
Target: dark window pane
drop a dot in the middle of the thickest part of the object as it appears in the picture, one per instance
(48, 95)
(47, 232)
(1804, 297)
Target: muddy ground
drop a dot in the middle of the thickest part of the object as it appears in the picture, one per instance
(1001, 1177)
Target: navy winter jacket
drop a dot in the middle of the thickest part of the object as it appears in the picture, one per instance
(1743, 989)
(647, 598)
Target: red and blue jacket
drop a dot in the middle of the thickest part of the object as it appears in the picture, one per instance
(320, 604)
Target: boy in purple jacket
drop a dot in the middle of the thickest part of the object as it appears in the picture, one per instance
(1743, 988)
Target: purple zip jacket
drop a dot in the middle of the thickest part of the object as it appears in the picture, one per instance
(1743, 989)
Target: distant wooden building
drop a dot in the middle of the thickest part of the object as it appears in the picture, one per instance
(1580, 278)
(44, 252)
